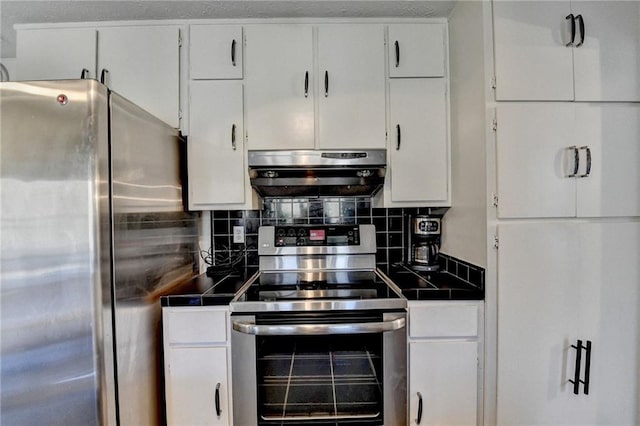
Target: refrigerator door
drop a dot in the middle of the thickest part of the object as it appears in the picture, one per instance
(53, 259)
(154, 243)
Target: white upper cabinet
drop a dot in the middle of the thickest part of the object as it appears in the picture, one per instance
(142, 64)
(286, 84)
(416, 50)
(542, 49)
(419, 148)
(215, 147)
(608, 135)
(279, 86)
(215, 52)
(56, 54)
(568, 160)
(351, 86)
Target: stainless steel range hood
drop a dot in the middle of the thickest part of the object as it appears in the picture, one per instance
(308, 173)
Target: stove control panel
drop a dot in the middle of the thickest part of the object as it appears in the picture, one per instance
(317, 235)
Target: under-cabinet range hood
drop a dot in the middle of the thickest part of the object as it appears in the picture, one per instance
(308, 173)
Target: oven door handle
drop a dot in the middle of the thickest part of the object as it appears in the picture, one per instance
(318, 329)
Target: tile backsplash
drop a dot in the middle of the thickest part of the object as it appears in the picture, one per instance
(389, 224)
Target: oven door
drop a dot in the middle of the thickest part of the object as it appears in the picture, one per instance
(320, 369)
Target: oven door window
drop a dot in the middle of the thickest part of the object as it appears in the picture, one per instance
(334, 379)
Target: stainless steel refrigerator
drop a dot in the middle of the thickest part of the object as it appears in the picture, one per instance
(92, 233)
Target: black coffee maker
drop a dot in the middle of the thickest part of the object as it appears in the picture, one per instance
(423, 242)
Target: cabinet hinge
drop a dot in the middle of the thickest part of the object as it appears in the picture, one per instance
(496, 242)
(494, 124)
(180, 114)
(495, 200)
(493, 82)
(179, 38)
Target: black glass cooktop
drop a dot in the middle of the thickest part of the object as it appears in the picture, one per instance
(318, 285)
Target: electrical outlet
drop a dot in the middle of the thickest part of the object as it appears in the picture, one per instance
(238, 234)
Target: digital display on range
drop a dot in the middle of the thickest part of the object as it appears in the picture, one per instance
(316, 235)
(327, 235)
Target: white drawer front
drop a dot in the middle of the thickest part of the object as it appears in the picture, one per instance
(193, 325)
(441, 319)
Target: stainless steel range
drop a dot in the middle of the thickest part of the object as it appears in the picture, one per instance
(318, 334)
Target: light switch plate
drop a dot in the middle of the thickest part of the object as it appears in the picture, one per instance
(238, 234)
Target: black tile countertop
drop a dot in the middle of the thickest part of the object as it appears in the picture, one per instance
(433, 285)
(203, 290)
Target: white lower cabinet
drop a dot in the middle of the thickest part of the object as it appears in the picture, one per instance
(197, 366)
(560, 282)
(444, 354)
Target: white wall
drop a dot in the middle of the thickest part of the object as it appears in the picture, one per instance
(464, 226)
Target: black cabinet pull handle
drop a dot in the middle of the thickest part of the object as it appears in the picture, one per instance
(419, 417)
(576, 375)
(399, 137)
(84, 74)
(581, 22)
(587, 171)
(326, 84)
(103, 75)
(397, 54)
(217, 399)
(306, 84)
(233, 136)
(587, 368)
(233, 52)
(576, 161)
(573, 29)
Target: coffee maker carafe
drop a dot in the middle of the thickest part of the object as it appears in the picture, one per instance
(423, 242)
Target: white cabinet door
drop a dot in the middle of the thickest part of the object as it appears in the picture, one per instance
(143, 66)
(418, 150)
(351, 86)
(538, 321)
(55, 54)
(444, 375)
(607, 64)
(197, 377)
(279, 87)
(611, 131)
(610, 318)
(559, 282)
(215, 148)
(215, 51)
(534, 160)
(416, 50)
(531, 59)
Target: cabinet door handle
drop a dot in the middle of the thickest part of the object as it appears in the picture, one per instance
(233, 137)
(581, 22)
(233, 52)
(587, 368)
(576, 375)
(419, 416)
(326, 84)
(397, 54)
(217, 400)
(399, 137)
(573, 29)
(587, 171)
(84, 74)
(306, 84)
(576, 161)
(103, 75)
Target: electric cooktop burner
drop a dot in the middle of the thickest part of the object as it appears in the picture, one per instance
(317, 268)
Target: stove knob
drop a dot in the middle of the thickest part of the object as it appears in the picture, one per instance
(302, 232)
(280, 232)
